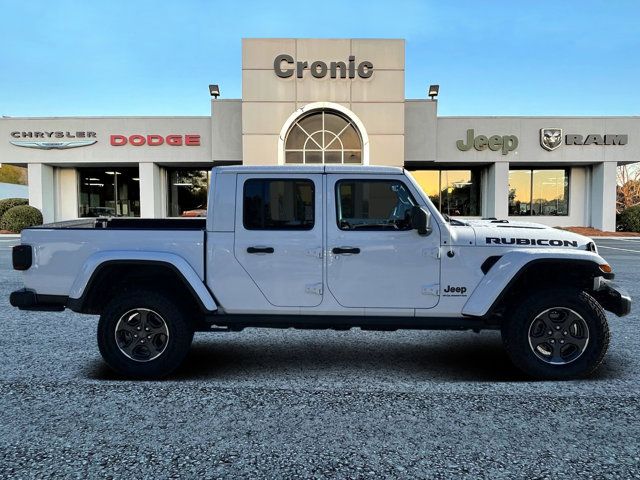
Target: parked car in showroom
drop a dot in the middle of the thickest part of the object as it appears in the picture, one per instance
(199, 211)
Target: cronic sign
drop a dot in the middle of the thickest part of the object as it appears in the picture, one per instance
(285, 66)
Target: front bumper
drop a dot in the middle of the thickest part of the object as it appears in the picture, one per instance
(26, 299)
(612, 297)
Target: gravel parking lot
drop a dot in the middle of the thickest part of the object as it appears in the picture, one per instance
(313, 404)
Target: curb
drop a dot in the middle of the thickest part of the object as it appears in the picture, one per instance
(616, 238)
(9, 235)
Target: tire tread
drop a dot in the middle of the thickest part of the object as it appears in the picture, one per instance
(181, 334)
(525, 360)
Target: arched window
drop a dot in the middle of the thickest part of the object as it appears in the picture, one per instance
(323, 136)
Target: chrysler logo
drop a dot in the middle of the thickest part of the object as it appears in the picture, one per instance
(550, 138)
(49, 145)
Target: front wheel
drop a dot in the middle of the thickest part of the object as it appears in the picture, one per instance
(144, 334)
(557, 334)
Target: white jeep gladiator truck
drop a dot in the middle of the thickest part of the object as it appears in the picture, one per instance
(322, 247)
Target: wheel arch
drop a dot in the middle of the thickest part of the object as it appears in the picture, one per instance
(511, 278)
(103, 275)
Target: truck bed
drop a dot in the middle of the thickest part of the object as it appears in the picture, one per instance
(110, 223)
(63, 250)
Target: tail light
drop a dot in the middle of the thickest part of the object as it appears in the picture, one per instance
(22, 256)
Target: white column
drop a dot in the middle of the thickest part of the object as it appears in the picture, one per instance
(150, 191)
(603, 196)
(66, 181)
(41, 190)
(497, 191)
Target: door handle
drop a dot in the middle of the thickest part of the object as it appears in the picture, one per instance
(260, 250)
(343, 250)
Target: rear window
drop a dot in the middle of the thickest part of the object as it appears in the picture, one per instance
(282, 204)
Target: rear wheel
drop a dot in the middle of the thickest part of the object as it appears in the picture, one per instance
(144, 334)
(557, 334)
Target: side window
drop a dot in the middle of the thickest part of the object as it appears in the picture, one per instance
(271, 204)
(373, 205)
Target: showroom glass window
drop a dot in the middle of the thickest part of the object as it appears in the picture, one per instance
(187, 192)
(543, 192)
(454, 192)
(109, 192)
(323, 136)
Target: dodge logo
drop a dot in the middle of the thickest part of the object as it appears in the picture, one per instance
(550, 138)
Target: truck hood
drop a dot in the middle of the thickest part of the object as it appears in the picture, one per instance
(524, 234)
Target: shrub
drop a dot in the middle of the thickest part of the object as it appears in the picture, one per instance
(17, 218)
(8, 203)
(630, 219)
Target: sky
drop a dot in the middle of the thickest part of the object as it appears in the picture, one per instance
(68, 58)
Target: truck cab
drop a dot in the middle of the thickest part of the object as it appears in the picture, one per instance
(323, 240)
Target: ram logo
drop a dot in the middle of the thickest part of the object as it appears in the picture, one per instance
(531, 241)
(550, 138)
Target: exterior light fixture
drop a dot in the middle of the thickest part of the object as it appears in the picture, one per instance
(433, 91)
(214, 91)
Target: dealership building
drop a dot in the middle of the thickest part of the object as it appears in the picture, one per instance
(338, 101)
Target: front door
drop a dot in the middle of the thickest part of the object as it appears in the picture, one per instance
(278, 236)
(375, 259)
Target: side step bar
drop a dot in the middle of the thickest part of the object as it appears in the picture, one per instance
(238, 322)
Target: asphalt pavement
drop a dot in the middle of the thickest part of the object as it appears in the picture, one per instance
(313, 404)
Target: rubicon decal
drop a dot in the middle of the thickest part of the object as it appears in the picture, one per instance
(153, 140)
(543, 242)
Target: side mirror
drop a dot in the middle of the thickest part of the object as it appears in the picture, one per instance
(421, 220)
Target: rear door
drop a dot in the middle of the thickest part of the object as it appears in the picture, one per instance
(278, 237)
(374, 258)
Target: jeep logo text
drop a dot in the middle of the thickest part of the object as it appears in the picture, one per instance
(505, 143)
(455, 290)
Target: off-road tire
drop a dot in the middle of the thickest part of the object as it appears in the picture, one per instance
(177, 324)
(516, 331)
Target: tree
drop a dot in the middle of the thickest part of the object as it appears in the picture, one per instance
(628, 187)
(11, 174)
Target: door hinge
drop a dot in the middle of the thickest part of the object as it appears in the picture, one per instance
(314, 288)
(433, 289)
(316, 252)
(431, 252)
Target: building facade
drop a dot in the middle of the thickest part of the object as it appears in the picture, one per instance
(326, 101)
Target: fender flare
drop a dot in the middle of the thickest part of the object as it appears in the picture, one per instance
(512, 265)
(176, 263)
